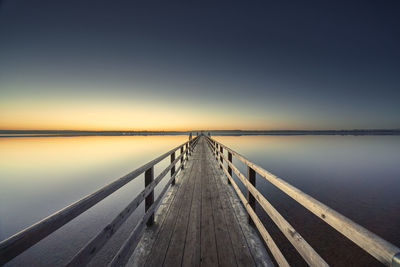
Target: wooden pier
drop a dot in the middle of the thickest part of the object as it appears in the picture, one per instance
(201, 217)
(201, 223)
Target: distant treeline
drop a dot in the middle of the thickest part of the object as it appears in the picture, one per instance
(4, 133)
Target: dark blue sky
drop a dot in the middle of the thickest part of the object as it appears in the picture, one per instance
(249, 65)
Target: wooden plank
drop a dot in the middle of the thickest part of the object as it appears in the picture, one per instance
(161, 244)
(226, 256)
(240, 247)
(304, 249)
(176, 246)
(202, 211)
(97, 242)
(209, 255)
(379, 248)
(278, 256)
(16, 244)
(141, 253)
(252, 237)
(191, 254)
(130, 244)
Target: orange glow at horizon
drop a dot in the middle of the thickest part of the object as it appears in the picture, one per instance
(50, 115)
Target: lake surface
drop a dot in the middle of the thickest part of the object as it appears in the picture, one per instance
(40, 175)
(359, 176)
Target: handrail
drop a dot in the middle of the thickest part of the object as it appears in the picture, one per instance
(21, 241)
(379, 248)
(280, 259)
(130, 244)
(97, 242)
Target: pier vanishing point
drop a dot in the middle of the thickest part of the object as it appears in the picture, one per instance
(201, 217)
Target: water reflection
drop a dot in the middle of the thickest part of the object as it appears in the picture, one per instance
(359, 176)
(40, 175)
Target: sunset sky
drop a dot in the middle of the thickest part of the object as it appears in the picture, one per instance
(146, 65)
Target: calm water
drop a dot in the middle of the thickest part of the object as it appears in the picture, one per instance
(358, 176)
(40, 175)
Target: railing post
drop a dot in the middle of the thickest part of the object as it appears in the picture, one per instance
(229, 167)
(220, 157)
(182, 156)
(173, 167)
(148, 178)
(251, 175)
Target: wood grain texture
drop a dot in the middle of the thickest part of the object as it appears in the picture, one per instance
(200, 227)
(16, 244)
(304, 249)
(278, 256)
(97, 242)
(379, 248)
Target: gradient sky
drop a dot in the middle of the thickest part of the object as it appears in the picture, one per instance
(135, 65)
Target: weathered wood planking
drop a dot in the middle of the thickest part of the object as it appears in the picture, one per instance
(200, 228)
(209, 255)
(239, 244)
(122, 256)
(229, 255)
(96, 243)
(379, 248)
(226, 256)
(173, 256)
(157, 254)
(191, 253)
(139, 257)
(305, 250)
(16, 244)
(281, 260)
(246, 232)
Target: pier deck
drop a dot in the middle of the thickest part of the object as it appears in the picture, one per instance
(200, 222)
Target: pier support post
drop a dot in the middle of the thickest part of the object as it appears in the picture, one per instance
(182, 158)
(251, 175)
(229, 167)
(220, 156)
(148, 178)
(173, 167)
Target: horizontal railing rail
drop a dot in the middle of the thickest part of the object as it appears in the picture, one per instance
(18, 243)
(379, 248)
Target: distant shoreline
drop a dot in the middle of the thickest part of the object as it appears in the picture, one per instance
(70, 133)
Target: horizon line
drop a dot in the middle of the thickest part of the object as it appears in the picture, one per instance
(204, 130)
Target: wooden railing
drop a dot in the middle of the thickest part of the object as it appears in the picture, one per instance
(379, 248)
(18, 243)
